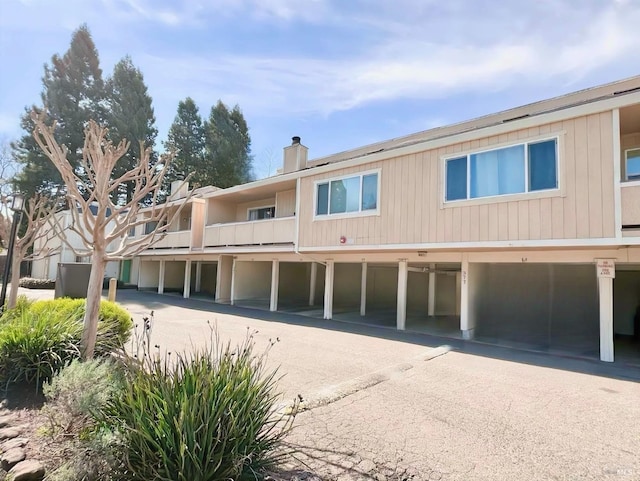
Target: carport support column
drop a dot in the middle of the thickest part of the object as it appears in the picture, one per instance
(187, 279)
(363, 290)
(401, 313)
(467, 298)
(431, 303)
(161, 278)
(275, 282)
(605, 289)
(312, 283)
(233, 283)
(328, 290)
(198, 276)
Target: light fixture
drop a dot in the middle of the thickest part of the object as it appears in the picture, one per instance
(17, 203)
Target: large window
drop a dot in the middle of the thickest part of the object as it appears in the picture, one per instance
(632, 162)
(528, 167)
(347, 195)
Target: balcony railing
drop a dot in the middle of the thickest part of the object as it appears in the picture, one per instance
(259, 232)
(174, 240)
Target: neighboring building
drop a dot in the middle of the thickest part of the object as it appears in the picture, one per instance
(47, 267)
(509, 227)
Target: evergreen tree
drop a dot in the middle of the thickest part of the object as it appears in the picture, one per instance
(186, 140)
(73, 93)
(130, 116)
(228, 146)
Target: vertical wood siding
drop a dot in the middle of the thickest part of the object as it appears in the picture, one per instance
(411, 192)
(286, 203)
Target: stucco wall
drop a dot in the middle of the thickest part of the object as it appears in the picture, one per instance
(294, 282)
(149, 274)
(252, 280)
(174, 275)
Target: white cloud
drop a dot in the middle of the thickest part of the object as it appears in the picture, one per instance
(203, 13)
(402, 66)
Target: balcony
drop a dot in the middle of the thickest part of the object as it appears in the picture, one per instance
(174, 240)
(259, 232)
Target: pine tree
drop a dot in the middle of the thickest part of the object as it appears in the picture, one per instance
(186, 140)
(73, 93)
(228, 146)
(130, 116)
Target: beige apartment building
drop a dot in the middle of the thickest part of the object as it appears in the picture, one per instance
(521, 227)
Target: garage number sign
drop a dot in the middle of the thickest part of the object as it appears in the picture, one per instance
(606, 268)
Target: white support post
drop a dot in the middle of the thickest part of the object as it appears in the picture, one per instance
(606, 272)
(233, 283)
(458, 292)
(467, 319)
(328, 290)
(161, 278)
(198, 276)
(605, 288)
(275, 283)
(219, 278)
(312, 283)
(187, 279)
(401, 314)
(431, 301)
(363, 290)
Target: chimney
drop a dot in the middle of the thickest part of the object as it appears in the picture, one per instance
(179, 189)
(295, 156)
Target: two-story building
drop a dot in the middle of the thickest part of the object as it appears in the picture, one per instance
(521, 227)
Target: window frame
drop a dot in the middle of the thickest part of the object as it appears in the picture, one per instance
(626, 163)
(342, 215)
(527, 194)
(268, 206)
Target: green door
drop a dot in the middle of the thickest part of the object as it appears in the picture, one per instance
(125, 271)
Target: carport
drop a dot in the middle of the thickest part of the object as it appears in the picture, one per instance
(367, 292)
(433, 299)
(251, 283)
(546, 307)
(301, 287)
(204, 276)
(148, 274)
(626, 308)
(172, 276)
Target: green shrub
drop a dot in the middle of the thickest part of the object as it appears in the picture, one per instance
(114, 328)
(38, 338)
(77, 391)
(33, 347)
(74, 395)
(94, 458)
(33, 283)
(204, 416)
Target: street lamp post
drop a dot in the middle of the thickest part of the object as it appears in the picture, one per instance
(17, 203)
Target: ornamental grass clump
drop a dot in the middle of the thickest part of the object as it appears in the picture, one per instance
(36, 345)
(207, 415)
(37, 339)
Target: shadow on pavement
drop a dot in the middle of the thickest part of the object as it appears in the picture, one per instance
(618, 370)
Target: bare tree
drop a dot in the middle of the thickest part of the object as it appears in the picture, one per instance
(35, 233)
(110, 223)
(8, 167)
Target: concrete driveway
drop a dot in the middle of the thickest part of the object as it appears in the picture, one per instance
(476, 412)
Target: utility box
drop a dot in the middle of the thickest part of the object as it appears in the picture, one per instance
(72, 279)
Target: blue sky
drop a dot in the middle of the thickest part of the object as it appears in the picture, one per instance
(338, 73)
